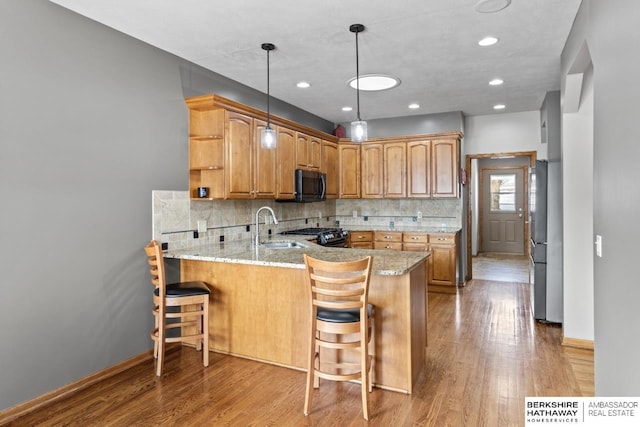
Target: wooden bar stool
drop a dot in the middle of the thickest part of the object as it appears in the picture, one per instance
(192, 299)
(339, 312)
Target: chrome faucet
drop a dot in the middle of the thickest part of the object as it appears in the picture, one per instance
(275, 221)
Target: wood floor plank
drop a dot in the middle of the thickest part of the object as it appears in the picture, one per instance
(485, 355)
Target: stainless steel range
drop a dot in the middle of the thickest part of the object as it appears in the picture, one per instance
(325, 236)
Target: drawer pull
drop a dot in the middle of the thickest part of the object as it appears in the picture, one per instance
(415, 238)
(360, 237)
(387, 237)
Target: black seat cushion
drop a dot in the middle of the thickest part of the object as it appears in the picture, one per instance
(342, 316)
(185, 289)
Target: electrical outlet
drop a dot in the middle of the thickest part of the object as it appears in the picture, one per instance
(319, 215)
(195, 235)
(391, 224)
(165, 246)
(598, 245)
(355, 214)
(222, 238)
(202, 226)
(419, 215)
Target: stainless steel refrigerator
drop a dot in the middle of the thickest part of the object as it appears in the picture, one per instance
(545, 222)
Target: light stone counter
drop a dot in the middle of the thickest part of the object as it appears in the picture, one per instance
(407, 229)
(385, 263)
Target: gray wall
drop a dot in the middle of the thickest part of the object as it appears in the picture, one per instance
(413, 125)
(611, 33)
(91, 121)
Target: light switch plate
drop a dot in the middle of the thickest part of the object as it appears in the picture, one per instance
(599, 245)
(202, 226)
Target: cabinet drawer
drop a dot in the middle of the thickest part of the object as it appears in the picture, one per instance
(361, 236)
(442, 238)
(394, 246)
(387, 236)
(415, 237)
(361, 245)
(415, 247)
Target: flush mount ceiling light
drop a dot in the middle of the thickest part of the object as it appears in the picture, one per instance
(414, 106)
(347, 109)
(488, 41)
(496, 82)
(491, 6)
(303, 85)
(374, 82)
(359, 126)
(268, 135)
(499, 107)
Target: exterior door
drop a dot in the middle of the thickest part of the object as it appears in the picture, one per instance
(503, 215)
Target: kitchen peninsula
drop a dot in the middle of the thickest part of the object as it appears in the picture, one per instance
(259, 306)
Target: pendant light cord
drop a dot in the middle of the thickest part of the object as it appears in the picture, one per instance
(357, 77)
(268, 95)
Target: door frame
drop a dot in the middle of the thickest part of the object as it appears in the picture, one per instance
(525, 195)
(533, 155)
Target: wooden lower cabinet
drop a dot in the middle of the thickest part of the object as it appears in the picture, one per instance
(361, 239)
(443, 246)
(390, 240)
(443, 262)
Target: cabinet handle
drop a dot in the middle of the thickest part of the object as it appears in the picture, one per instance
(441, 238)
(360, 237)
(414, 238)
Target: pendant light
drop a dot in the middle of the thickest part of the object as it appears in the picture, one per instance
(268, 135)
(358, 127)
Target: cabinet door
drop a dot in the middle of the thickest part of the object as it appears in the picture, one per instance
(239, 164)
(444, 168)
(314, 153)
(264, 171)
(395, 178)
(442, 265)
(372, 171)
(349, 159)
(418, 169)
(330, 167)
(286, 163)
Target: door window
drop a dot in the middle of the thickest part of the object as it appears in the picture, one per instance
(503, 193)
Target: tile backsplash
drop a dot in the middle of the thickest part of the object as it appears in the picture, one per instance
(176, 216)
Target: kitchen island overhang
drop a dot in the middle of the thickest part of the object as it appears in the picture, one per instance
(259, 304)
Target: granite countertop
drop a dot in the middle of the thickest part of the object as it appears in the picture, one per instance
(406, 229)
(385, 263)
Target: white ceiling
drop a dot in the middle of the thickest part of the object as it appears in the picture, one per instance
(431, 45)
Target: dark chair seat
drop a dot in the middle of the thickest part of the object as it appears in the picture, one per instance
(342, 316)
(185, 289)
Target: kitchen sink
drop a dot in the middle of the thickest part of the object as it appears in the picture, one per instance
(282, 245)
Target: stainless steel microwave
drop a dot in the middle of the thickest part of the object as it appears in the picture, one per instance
(311, 186)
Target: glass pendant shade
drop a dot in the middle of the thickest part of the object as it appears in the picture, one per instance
(359, 131)
(268, 138)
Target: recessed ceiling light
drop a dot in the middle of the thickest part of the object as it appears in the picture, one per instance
(491, 6)
(414, 106)
(488, 41)
(496, 82)
(303, 85)
(499, 107)
(347, 109)
(373, 82)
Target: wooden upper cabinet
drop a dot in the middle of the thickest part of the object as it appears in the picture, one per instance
(239, 144)
(418, 169)
(395, 177)
(432, 168)
(264, 164)
(349, 169)
(308, 152)
(444, 168)
(372, 170)
(330, 165)
(286, 163)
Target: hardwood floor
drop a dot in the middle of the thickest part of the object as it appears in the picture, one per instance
(485, 355)
(501, 267)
